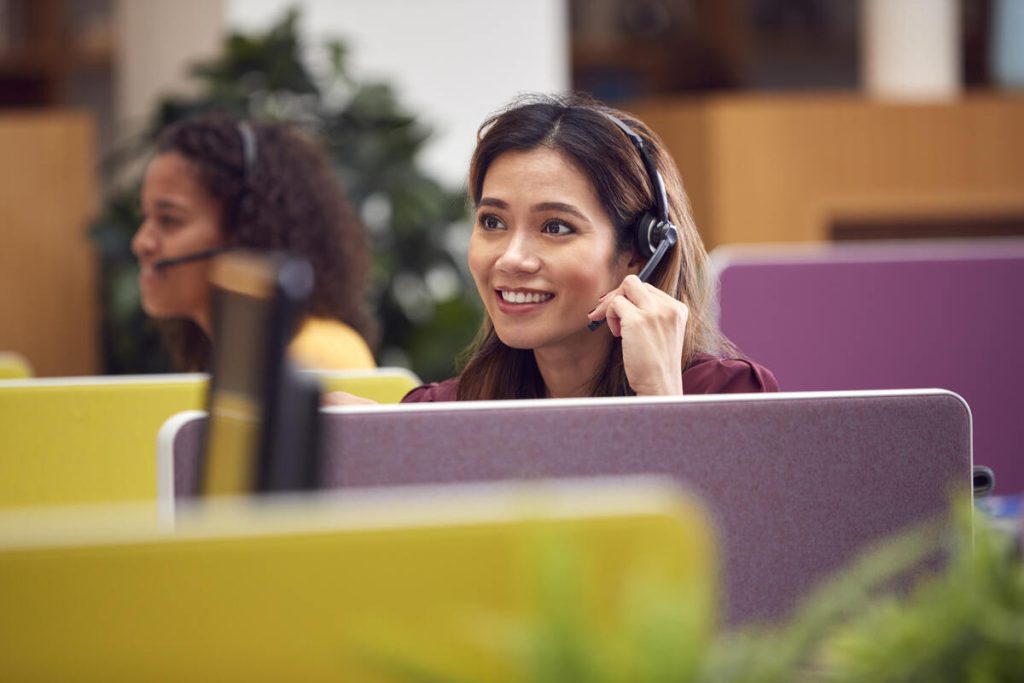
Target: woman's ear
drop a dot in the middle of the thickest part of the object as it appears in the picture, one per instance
(630, 262)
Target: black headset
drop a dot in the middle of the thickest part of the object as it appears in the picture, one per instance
(249, 156)
(249, 148)
(654, 234)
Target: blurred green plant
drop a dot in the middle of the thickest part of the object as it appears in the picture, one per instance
(965, 624)
(420, 292)
(869, 623)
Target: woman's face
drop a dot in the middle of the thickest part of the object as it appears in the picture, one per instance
(543, 251)
(179, 217)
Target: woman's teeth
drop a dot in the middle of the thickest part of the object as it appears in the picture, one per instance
(524, 298)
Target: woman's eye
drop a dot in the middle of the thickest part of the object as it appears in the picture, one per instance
(491, 222)
(558, 228)
(168, 222)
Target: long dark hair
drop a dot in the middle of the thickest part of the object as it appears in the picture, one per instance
(284, 196)
(577, 127)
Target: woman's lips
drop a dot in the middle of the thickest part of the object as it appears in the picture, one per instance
(521, 300)
(148, 275)
(524, 296)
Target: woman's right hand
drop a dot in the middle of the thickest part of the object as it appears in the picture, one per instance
(652, 325)
(343, 398)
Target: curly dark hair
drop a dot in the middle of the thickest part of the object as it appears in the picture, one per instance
(280, 194)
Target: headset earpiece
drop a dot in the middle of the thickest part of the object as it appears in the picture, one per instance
(646, 235)
(652, 228)
(654, 233)
(664, 235)
(651, 234)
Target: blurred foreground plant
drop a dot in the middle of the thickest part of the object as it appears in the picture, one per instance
(963, 622)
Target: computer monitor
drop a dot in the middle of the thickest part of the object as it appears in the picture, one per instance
(262, 432)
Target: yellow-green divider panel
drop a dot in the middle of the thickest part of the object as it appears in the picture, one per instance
(84, 440)
(315, 590)
(383, 385)
(65, 441)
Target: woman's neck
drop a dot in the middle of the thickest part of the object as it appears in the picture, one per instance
(570, 373)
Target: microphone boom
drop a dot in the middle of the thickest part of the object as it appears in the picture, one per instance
(189, 258)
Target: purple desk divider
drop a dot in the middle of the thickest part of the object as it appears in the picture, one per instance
(797, 483)
(891, 315)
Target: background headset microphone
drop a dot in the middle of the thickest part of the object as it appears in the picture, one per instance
(249, 156)
(654, 233)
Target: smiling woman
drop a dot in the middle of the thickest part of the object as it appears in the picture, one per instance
(541, 265)
(574, 201)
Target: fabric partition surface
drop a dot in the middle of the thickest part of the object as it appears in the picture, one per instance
(894, 315)
(797, 483)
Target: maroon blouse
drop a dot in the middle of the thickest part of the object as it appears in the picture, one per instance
(704, 375)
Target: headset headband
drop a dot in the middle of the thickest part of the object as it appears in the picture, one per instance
(657, 184)
(248, 136)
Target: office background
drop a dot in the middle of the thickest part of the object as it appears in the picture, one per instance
(791, 120)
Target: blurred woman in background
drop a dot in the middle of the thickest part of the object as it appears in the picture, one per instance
(218, 183)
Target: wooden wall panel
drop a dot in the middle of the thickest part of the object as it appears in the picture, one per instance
(48, 268)
(785, 168)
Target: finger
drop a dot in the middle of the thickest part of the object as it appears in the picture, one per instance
(331, 399)
(614, 323)
(619, 310)
(336, 398)
(343, 398)
(602, 305)
(631, 288)
(641, 293)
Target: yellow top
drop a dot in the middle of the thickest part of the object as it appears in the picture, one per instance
(324, 344)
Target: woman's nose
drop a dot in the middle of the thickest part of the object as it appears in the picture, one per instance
(143, 242)
(519, 254)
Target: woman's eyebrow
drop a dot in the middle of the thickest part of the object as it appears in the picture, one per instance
(559, 206)
(491, 201)
(167, 204)
(536, 208)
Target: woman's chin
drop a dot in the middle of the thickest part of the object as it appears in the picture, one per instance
(154, 310)
(151, 310)
(158, 312)
(516, 340)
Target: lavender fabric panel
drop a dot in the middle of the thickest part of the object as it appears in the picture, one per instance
(188, 443)
(890, 321)
(796, 487)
